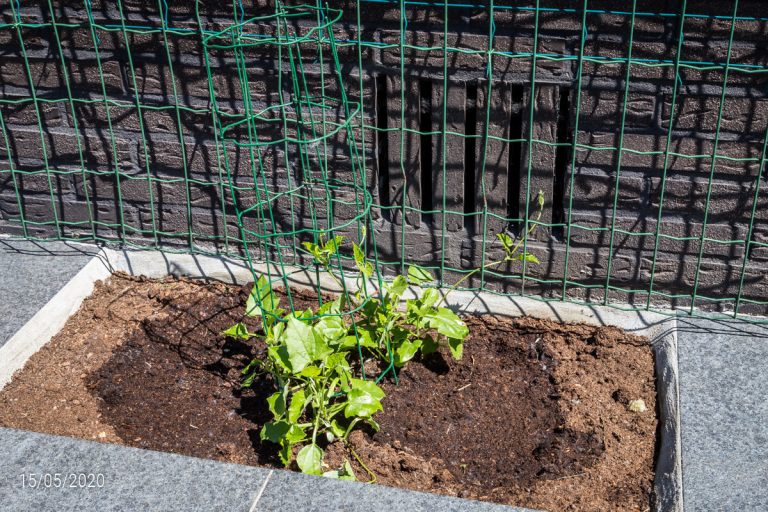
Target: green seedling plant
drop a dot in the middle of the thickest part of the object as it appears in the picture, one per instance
(319, 394)
(392, 334)
(511, 247)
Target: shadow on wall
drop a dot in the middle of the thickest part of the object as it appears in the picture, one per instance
(650, 169)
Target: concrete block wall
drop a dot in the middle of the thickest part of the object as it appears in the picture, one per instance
(154, 157)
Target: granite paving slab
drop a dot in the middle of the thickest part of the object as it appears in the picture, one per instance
(294, 491)
(45, 472)
(724, 414)
(34, 271)
(132, 479)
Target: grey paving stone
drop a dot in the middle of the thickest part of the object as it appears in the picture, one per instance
(145, 480)
(133, 479)
(286, 491)
(34, 271)
(724, 415)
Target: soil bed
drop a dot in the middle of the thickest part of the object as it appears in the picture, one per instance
(535, 414)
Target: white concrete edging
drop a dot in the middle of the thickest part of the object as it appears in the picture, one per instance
(659, 329)
(50, 318)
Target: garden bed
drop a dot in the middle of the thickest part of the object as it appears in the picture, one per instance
(535, 414)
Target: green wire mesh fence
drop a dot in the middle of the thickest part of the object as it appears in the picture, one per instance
(421, 129)
(287, 146)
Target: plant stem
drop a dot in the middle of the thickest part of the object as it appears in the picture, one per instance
(508, 257)
(360, 461)
(318, 413)
(467, 276)
(335, 278)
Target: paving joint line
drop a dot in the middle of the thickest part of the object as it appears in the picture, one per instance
(261, 491)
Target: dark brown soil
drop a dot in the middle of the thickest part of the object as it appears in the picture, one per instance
(534, 415)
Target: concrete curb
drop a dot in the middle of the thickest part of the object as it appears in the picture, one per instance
(668, 484)
(660, 329)
(34, 271)
(50, 318)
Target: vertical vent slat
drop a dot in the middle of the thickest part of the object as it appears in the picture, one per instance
(382, 142)
(515, 157)
(425, 147)
(561, 161)
(470, 156)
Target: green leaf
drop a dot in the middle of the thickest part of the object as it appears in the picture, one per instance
(447, 323)
(367, 338)
(315, 251)
(261, 298)
(303, 346)
(310, 372)
(276, 403)
(527, 256)
(507, 242)
(331, 247)
(418, 275)
(540, 199)
(323, 254)
(248, 381)
(417, 308)
(275, 431)
(372, 423)
(345, 376)
(250, 372)
(371, 308)
(238, 331)
(337, 360)
(398, 335)
(331, 308)
(397, 286)
(310, 246)
(251, 366)
(275, 333)
(364, 335)
(337, 429)
(365, 267)
(285, 454)
(270, 301)
(330, 328)
(457, 347)
(297, 405)
(348, 473)
(279, 356)
(406, 351)
(252, 308)
(295, 434)
(429, 345)
(310, 459)
(347, 342)
(364, 399)
(429, 298)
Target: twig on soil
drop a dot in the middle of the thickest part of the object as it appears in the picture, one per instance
(569, 476)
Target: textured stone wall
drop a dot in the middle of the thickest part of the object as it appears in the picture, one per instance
(154, 161)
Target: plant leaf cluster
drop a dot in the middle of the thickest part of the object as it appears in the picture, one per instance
(309, 354)
(319, 393)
